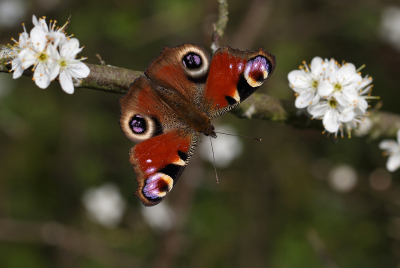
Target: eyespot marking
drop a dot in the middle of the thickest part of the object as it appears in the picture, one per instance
(257, 71)
(192, 60)
(138, 124)
(157, 186)
(195, 62)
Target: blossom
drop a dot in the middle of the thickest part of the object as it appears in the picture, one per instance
(392, 148)
(54, 35)
(51, 53)
(19, 45)
(332, 112)
(105, 204)
(38, 54)
(340, 82)
(67, 66)
(335, 93)
(306, 81)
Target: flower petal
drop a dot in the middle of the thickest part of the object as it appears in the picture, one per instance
(79, 70)
(54, 70)
(70, 48)
(325, 88)
(41, 77)
(299, 79)
(66, 82)
(38, 39)
(389, 145)
(316, 66)
(304, 99)
(23, 40)
(27, 58)
(56, 37)
(393, 162)
(318, 110)
(346, 117)
(398, 135)
(331, 120)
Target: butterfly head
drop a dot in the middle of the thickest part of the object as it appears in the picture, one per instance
(209, 131)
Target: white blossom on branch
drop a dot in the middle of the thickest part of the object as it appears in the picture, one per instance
(392, 149)
(332, 92)
(52, 54)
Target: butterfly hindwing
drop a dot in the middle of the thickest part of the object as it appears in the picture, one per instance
(158, 163)
(165, 142)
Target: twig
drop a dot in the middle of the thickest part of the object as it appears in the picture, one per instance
(66, 238)
(319, 248)
(220, 25)
(106, 78)
(102, 62)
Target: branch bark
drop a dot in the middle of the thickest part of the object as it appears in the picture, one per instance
(220, 25)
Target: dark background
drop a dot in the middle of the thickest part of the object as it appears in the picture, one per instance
(275, 206)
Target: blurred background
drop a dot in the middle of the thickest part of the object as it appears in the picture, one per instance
(297, 199)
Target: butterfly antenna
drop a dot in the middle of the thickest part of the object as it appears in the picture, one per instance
(215, 168)
(257, 139)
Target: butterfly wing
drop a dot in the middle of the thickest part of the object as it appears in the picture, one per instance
(165, 142)
(233, 76)
(183, 68)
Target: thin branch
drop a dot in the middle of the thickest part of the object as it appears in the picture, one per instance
(319, 248)
(106, 78)
(220, 25)
(260, 106)
(66, 238)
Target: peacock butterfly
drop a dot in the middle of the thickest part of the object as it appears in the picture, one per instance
(167, 109)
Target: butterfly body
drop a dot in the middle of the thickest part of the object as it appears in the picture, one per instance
(182, 91)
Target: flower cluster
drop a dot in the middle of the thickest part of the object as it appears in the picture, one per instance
(51, 53)
(333, 92)
(392, 148)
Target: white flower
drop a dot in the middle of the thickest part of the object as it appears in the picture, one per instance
(343, 178)
(392, 148)
(38, 54)
(305, 82)
(334, 93)
(390, 25)
(52, 54)
(21, 44)
(332, 112)
(105, 204)
(340, 82)
(67, 66)
(55, 36)
(160, 217)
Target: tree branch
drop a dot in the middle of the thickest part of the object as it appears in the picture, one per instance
(106, 78)
(66, 238)
(220, 25)
(260, 106)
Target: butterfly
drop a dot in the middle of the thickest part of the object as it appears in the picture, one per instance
(182, 90)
